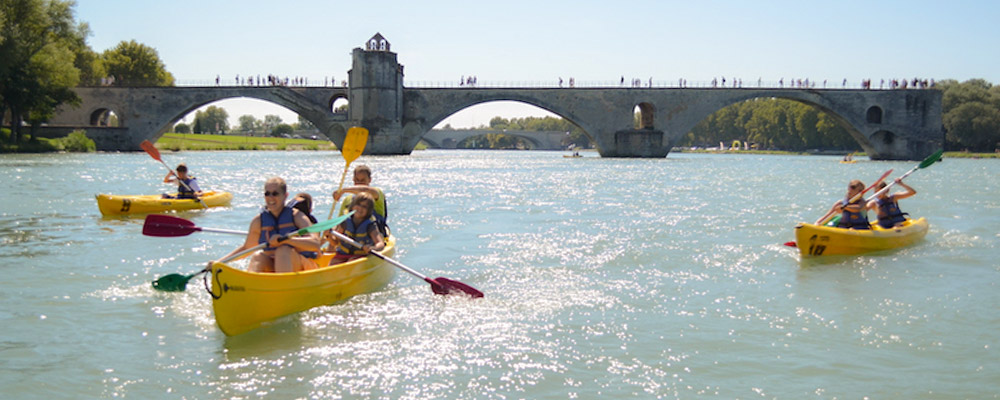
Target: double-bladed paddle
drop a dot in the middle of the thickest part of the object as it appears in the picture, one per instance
(439, 285)
(169, 226)
(177, 282)
(933, 158)
(930, 160)
(826, 218)
(354, 145)
(155, 153)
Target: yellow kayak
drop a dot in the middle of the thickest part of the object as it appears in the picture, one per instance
(244, 300)
(147, 204)
(814, 240)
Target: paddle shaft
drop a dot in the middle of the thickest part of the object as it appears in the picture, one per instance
(217, 230)
(340, 186)
(351, 242)
(886, 188)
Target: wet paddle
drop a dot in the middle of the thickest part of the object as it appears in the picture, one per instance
(354, 145)
(177, 282)
(160, 225)
(439, 285)
(155, 153)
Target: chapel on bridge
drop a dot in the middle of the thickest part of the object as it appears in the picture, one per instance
(377, 43)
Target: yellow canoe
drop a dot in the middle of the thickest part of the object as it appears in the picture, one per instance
(813, 240)
(244, 300)
(148, 204)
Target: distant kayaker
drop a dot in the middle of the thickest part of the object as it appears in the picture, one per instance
(887, 207)
(274, 220)
(361, 227)
(853, 215)
(362, 184)
(187, 186)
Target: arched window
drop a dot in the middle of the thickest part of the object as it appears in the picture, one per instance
(381, 45)
(875, 115)
(644, 115)
(372, 45)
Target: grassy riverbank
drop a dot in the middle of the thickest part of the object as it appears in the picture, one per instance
(191, 141)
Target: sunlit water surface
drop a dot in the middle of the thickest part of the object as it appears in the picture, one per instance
(604, 278)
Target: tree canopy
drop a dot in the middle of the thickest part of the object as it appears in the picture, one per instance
(135, 64)
(772, 124)
(37, 39)
(212, 120)
(971, 115)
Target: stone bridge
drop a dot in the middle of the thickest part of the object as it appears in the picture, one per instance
(888, 124)
(538, 140)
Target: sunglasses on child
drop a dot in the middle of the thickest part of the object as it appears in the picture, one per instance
(274, 193)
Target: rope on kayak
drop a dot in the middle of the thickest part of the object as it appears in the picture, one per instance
(204, 279)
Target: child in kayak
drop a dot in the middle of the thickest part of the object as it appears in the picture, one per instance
(303, 202)
(854, 215)
(362, 184)
(187, 186)
(361, 227)
(887, 207)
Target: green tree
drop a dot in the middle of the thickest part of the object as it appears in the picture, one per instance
(134, 64)
(282, 129)
(86, 59)
(973, 126)
(36, 60)
(212, 120)
(182, 128)
(271, 121)
(248, 124)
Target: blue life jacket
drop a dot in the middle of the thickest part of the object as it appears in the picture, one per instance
(889, 214)
(854, 220)
(182, 191)
(360, 234)
(283, 225)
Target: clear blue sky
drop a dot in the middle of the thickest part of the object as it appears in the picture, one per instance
(538, 42)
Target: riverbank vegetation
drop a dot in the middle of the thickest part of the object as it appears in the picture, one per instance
(193, 141)
(44, 54)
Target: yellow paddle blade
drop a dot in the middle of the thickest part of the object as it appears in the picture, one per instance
(354, 143)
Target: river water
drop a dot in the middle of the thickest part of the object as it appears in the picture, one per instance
(604, 278)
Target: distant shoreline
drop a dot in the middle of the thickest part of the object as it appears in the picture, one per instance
(207, 142)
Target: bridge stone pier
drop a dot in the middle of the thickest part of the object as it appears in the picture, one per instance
(888, 124)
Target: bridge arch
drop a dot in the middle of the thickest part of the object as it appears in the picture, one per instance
(103, 117)
(841, 115)
(452, 105)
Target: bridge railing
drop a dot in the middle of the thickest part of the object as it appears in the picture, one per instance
(597, 84)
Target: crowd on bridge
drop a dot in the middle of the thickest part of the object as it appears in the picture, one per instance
(274, 80)
(716, 82)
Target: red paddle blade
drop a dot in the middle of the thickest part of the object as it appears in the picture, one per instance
(445, 286)
(152, 150)
(790, 244)
(167, 226)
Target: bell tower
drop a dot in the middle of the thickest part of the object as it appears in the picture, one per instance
(376, 92)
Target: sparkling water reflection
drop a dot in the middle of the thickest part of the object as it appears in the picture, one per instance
(603, 278)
